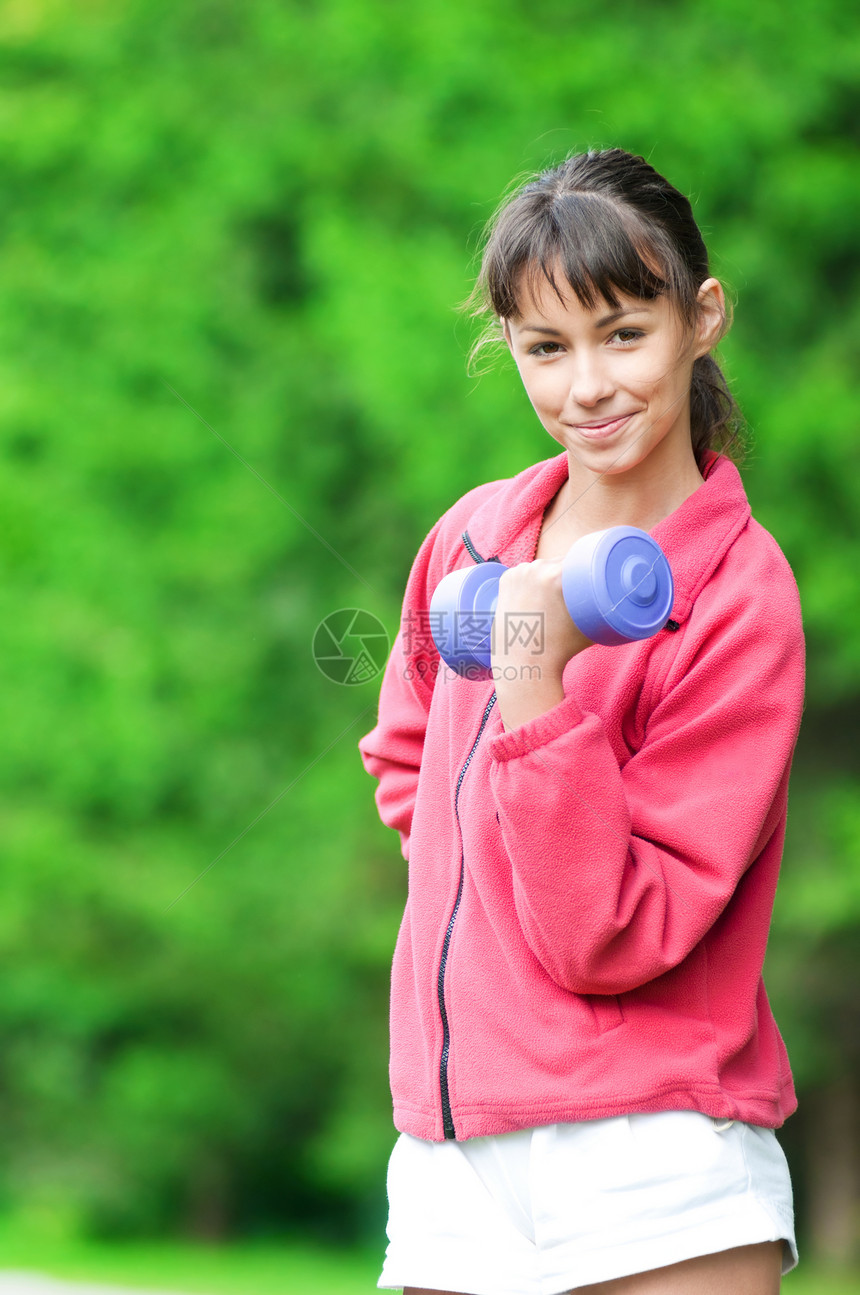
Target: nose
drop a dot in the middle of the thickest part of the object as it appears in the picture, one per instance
(590, 380)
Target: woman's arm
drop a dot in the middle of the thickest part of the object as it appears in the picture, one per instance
(392, 751)
(529, 675)
(618, 872)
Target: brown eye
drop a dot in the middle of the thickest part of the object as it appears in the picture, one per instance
(626, 336)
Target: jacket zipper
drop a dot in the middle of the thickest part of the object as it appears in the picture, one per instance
(472, 551)
(447, 1118)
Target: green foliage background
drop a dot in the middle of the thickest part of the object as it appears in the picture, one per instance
(232, 400)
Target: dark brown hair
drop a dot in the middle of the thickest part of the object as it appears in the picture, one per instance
(612, 225)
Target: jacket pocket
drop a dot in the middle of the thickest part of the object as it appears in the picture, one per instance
(607, 1011)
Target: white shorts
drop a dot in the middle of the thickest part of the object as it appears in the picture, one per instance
(545, 1210)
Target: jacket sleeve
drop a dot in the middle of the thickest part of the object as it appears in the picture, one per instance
(392, 751)
(619, 872)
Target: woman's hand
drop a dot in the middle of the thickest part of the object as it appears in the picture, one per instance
(533, 640)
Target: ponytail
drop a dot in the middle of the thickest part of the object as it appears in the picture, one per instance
(716, 422)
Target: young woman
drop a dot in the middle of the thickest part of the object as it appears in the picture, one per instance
(585, 1069)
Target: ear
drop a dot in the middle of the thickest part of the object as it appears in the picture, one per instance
(506, 332)
(712, 316)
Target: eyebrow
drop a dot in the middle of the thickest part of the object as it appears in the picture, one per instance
(619, 314)
(603, 322)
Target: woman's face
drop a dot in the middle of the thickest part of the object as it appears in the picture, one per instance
(613, 385)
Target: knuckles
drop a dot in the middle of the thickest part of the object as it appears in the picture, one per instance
(541, 578)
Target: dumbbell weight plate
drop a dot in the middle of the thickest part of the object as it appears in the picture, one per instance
(461, 617)
(618, 585)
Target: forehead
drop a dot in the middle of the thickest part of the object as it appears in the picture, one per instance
(541, 298)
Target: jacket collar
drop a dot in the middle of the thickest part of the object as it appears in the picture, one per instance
(695, 537)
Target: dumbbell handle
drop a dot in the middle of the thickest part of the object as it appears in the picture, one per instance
(617, 587)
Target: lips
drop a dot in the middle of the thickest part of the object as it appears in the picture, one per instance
(599, 430)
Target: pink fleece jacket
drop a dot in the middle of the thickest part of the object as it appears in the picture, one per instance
(590, 893)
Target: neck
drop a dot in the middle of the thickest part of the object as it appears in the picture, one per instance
(641, 499)
(589, 501)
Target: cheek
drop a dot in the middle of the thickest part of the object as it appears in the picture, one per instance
(652, 373)
(546, 388)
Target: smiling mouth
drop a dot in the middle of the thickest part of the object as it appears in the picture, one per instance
(605, 426)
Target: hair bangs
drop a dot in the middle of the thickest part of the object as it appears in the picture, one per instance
(579, 242)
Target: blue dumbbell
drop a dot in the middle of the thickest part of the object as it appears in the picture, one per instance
(617, 587)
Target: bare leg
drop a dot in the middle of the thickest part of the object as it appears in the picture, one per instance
(743, 1270)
